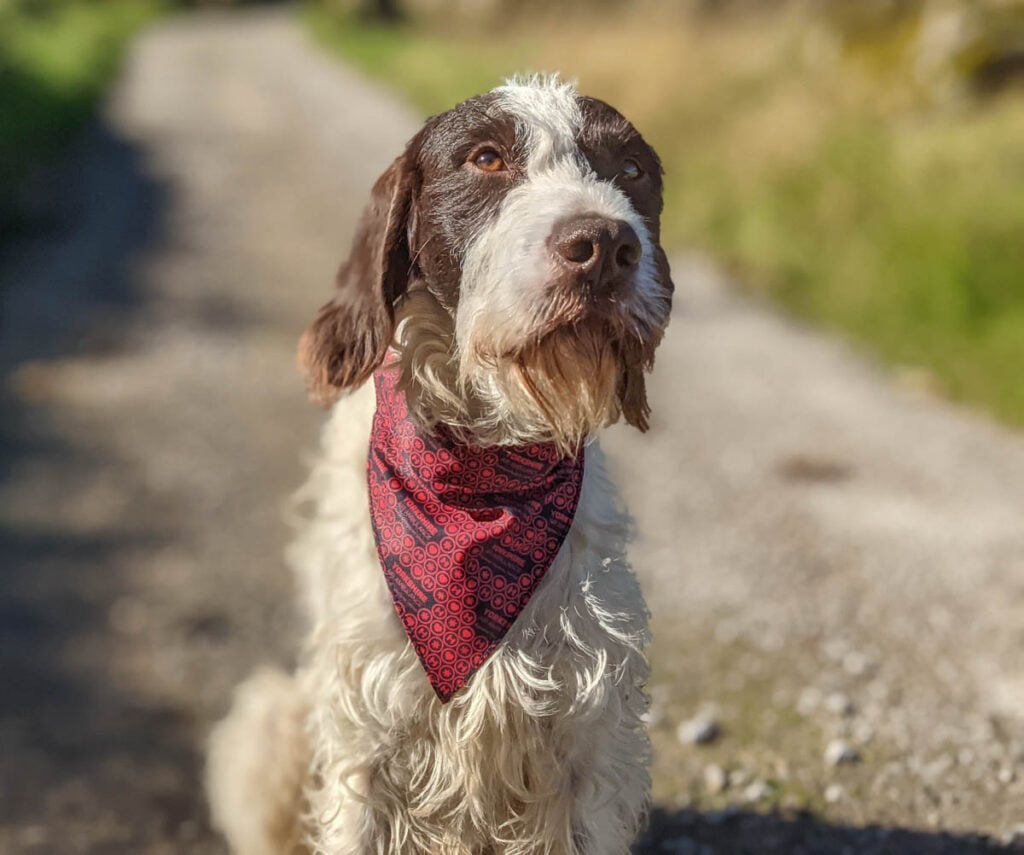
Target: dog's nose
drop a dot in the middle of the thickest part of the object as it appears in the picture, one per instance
(597, 248)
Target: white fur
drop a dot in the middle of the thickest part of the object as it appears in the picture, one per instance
(543, 752)
(548, 117)
(258, 765)
(507, 269)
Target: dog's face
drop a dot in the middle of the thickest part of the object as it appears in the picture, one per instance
(517, 238)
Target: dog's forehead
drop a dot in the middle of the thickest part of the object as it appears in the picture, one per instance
(548, 117)
(539, 119)
(478, 119)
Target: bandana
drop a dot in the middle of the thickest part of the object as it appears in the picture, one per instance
(464, 534)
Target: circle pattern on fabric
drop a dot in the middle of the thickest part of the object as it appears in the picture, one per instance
(464, 534)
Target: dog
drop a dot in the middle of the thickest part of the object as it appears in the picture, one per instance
(473, 679)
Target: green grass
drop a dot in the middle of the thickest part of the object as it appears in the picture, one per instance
(918, 255)
(56, 58)
(900, 226)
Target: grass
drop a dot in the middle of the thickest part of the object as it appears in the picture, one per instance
(825, 183)
(56, 58)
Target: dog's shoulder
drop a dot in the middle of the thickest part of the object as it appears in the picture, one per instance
(346, 433)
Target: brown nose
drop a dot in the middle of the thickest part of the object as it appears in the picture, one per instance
(596, 249)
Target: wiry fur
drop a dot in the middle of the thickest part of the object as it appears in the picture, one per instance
(522, 329)
(543, 752)
(560, 388)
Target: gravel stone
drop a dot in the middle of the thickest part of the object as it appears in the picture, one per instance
(716, 779)
(755, 791)
(839, 753)
(834, 793)
(863, 733)
(809, 701)
(738, 777)
(1014, 836)
(839, 704)
(700, 730)
(856, 664)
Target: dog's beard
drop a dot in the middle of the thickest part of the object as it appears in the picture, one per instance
(563, 384)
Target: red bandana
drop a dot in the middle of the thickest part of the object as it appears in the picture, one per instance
(464, 534)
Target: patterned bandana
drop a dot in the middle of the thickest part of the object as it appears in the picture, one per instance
(464, 534)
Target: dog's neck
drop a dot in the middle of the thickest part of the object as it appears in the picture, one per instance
(444, 512)
(562, 391)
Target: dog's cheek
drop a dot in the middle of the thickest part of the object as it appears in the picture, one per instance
(458, 210)
(438, 267)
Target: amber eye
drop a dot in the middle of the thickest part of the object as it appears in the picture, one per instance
(631, 170)
(488, 160)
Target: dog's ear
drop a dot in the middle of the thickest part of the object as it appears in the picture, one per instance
(636, 358)
(350, 335)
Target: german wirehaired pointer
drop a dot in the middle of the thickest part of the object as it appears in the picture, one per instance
(473, 679)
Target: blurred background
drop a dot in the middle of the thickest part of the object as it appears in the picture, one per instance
(830, 504)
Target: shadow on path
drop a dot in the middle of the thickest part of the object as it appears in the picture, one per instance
(742, 832)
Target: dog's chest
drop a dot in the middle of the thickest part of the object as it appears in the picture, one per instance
(586, 617)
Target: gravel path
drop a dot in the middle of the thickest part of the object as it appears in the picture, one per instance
(835, 567)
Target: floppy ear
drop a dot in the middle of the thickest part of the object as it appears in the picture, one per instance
(350, 335)
(636, 357)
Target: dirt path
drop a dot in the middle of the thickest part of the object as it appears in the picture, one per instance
(826, 558)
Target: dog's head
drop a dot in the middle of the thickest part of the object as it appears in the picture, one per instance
(512, 255)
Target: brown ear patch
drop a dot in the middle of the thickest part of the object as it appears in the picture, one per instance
(341, 349)
(350, 335)
(636, 357)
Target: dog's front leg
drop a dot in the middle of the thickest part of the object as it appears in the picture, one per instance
(613, 784)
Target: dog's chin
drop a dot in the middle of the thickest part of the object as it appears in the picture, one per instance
(561, 382)
(564, 385)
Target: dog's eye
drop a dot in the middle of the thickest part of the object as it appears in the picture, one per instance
(488, 160)
(631, 170)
